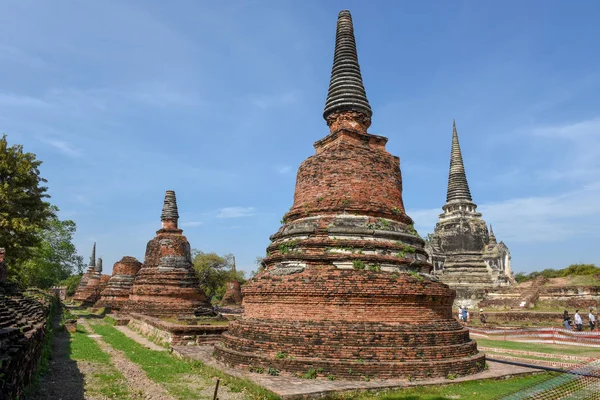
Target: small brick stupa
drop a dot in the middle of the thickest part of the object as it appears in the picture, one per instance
(167, 284)
(346, 290)
(87, 291)
(233, 290)
(117, 291)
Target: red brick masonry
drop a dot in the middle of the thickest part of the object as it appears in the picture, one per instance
(346, 286)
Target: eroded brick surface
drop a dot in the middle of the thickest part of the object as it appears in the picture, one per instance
(346, 288)
(118, 288)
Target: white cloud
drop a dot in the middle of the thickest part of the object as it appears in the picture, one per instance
(236, 212)
(548, 219)
(191, 224)
(17, 100)
(63, 147)
(283, 169)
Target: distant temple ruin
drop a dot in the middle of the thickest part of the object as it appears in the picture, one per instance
(92, 282)
(166, 284)
(233, 290)
(346, 291)
(464, 255)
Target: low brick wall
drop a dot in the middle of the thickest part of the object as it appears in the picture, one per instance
(520, 317)
(167, 333)
(24, 322)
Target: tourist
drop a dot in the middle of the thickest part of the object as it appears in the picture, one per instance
(482, 317)
(578, 320)
(464, 314)
(567, 320)
(592, 319)
(460, 318)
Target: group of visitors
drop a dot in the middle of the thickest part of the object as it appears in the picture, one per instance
(578, 320)
(465, 317)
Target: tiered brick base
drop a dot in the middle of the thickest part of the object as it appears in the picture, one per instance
(89, 292)
(300, 321)
(167, 285)
(117, 291)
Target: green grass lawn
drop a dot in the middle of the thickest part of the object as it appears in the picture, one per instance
(542, 348)
(179, 377)
(105, 380)
(481, 390)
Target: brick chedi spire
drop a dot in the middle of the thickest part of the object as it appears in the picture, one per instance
(458, 187)
(461, 237)
(346, 89)
(167, 283)
(346, 276)
(93, 257)
(83, 294)
(98, 267)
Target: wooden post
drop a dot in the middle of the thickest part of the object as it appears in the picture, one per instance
(216, 390)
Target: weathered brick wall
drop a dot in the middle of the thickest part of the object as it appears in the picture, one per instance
(23, 328)
(346, 279)
(351, 172)
(167, 283)
(233, 294)
(168, 333)
(117, 291)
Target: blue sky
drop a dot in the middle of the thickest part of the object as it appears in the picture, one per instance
(222, 101)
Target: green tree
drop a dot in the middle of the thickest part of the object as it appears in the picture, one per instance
(54, 259)
(23, 210)
(214, 272)
(71, 283)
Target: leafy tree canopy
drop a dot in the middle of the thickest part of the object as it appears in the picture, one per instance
(54, 258)
(71, 283)
(23, 210)
(214, 272)
(571, 270)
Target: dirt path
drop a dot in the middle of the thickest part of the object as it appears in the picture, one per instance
(139, 385)
(64, 380)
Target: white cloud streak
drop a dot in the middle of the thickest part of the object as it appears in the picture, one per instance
(236, 212)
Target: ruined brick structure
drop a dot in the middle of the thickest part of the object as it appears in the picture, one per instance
(346, 288)
(23, 327)
(233, 290)
(88, 291)
(117, 291)
(462, 252)
(167, 283)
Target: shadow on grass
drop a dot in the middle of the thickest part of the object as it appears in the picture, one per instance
(62, 380)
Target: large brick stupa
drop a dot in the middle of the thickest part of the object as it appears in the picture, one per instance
(167, 284)
(116, 293)
(346, 290)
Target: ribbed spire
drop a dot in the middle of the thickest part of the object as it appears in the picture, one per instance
(492, 236)
(346, 89)
(169, 211)
(98, 267)
(233, 267)
(93, 257)
(458, 188)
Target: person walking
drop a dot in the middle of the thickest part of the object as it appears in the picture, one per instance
(482, 317)
(578, 320)
(460, 318)
(592, 319)
(567, 320)
(464, 314)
